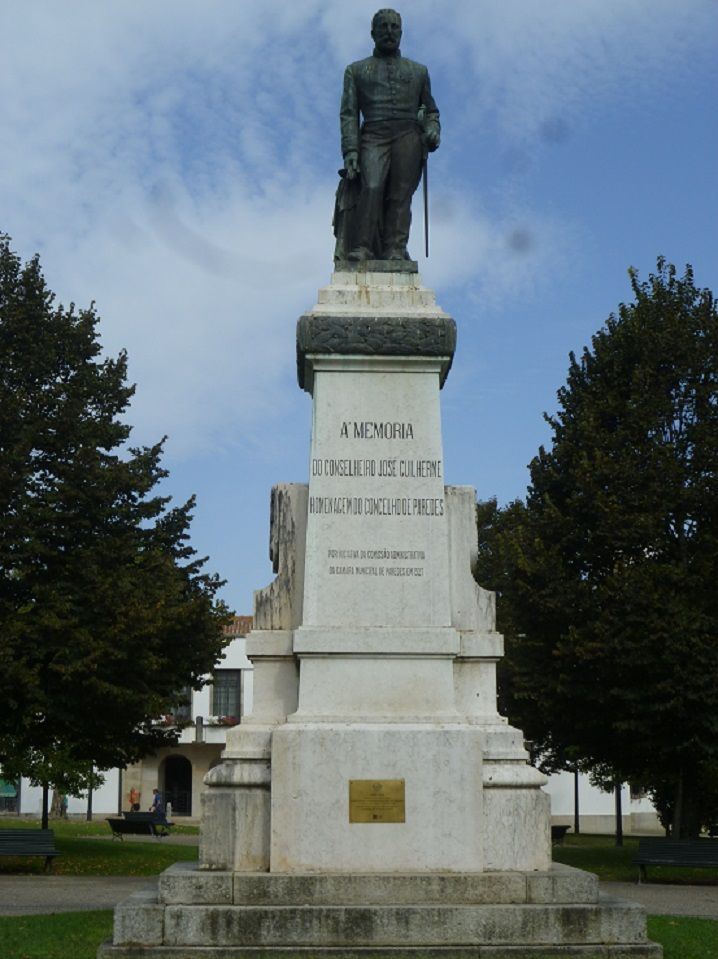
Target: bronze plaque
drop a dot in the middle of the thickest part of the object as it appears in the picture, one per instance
(376, 800)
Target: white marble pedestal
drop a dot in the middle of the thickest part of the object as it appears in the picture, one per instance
(375, 802)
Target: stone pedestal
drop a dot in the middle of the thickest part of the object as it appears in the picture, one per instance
(504, 915)
(440, 767)
(375, 801)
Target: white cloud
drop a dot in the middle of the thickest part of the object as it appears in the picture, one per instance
(526, 61)
(175, 162)
(206, 312)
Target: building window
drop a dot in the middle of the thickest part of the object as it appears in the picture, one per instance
(9, 796)
(182, 710)
(227, 692)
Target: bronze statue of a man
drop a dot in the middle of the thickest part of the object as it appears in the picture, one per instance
(388, 121)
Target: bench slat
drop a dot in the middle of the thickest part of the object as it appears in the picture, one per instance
(697, 853)
(153, 817)
(28, 842)
(141, 827)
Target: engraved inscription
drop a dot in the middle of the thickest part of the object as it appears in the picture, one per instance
(368, 430)
(360, 567)
(378, 480)
(324, 500)
(377, 505)
(362, 468)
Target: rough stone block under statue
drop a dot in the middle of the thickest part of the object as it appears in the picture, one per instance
(374, 800)
(486, 914)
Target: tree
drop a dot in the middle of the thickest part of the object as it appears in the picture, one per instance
(609, 568)
(105, 612)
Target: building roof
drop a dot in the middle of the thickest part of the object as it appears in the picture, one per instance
(240, 626)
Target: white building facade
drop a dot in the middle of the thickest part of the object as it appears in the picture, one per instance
(597, 809)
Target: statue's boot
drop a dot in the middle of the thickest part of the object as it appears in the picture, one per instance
(360, 254)
(397, 221)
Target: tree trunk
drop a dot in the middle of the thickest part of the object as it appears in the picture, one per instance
(45, 798)
(576, 817)
(56, 804)
(692, 809)
(619, 814)
(678, 808)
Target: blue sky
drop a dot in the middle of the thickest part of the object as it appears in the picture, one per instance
(176, 161)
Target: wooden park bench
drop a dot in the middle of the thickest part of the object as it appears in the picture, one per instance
(139, 824)
(699, 853)
(29, 842)
(558, 834)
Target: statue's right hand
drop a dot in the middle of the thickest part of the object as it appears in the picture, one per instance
(351, 162)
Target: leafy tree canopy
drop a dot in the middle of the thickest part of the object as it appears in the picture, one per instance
(608, 570)
(105, 611)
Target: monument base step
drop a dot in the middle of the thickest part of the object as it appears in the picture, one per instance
(185, 883)
(224, 915)
(629, 951)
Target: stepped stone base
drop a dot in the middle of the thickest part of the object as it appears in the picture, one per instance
(393, 952)
(227, 915)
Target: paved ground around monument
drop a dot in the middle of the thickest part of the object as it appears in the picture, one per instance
(33, 895)
(37, 895)
(660, 900)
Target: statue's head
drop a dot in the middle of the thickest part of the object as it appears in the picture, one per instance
(386, 30)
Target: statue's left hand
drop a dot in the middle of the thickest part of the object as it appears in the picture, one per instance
(432, 139)
(351, 164)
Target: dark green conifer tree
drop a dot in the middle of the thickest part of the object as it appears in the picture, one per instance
(105, 612)
(610, 570)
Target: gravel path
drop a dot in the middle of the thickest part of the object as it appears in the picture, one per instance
(35, 895)
(663, 900)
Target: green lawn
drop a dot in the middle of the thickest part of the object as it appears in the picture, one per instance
(599, 854)
(59, 936)
(78, 934)
(683, 938)
(83, 854)
(79, 827)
